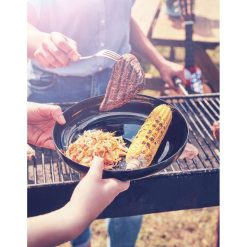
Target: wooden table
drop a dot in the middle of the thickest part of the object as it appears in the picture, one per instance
(163, 30)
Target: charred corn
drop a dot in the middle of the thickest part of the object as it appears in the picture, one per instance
(148, 139)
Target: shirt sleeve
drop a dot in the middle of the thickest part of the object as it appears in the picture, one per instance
(33, 10)
(133, 2)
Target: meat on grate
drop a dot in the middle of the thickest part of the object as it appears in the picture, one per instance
(190, 152)
(216, 130)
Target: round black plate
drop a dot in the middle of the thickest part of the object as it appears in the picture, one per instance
(125, 121)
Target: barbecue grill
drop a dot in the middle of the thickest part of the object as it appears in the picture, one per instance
(185, 184)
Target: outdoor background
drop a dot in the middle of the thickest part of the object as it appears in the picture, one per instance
(184, 228)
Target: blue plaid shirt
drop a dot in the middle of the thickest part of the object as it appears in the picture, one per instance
(93, 24)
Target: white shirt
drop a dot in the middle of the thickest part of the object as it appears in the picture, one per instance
(93, 24)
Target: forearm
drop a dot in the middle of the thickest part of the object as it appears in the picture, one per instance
(142, 45)
(34, 39)
(56, 227)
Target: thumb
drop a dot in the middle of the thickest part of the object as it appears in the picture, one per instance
(116, 186)
(181, 74)
(96, 168)
(73, 54)
(57, 115)
(170, 83)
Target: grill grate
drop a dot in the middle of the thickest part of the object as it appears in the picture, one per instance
(199, 110)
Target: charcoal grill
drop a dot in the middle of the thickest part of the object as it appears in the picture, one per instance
(185, 184)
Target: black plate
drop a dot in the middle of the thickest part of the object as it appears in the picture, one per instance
(126, 121)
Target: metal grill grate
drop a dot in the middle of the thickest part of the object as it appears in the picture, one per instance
(199, 110)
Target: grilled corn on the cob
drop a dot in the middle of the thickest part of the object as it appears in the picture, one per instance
(148, 139)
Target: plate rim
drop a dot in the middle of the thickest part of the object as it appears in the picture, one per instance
(133, 170)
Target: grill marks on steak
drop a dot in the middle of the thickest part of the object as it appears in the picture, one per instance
(127, 79)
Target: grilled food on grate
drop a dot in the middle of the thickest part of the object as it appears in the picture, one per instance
(216, 130)
(190, 152)
(127, 79)
(148, 139)
(97, 143)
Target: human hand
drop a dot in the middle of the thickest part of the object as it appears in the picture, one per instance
(88, 200)
(41, 119)
(30, 152)
(168, 70)
(56, 50)
(93, 193)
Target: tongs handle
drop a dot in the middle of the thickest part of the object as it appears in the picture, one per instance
(179, 84)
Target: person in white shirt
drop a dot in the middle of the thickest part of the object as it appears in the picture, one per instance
(59, 32)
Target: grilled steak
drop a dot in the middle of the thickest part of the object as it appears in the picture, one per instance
(127, 79)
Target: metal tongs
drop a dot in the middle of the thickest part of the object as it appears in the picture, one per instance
(179, 84)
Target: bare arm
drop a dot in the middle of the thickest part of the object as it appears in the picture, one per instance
(88, 200)
(56, 227)
(142, 44)
(51, 50)
(34, 36)
(34, 39)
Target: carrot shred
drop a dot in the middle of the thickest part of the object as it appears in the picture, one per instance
(97, 143)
